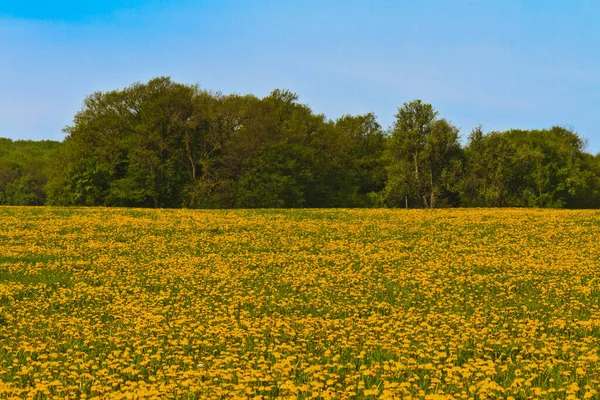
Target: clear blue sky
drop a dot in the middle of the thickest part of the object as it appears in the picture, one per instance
(504, 64)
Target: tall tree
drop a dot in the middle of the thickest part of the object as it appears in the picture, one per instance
(423, 154)
(366, 144)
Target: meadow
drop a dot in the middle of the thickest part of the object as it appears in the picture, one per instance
(132, 303)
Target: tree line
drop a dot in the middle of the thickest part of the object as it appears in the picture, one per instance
(166, 144)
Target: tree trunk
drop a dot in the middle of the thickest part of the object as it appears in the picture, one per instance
(415, 158)
(432, 194)
(539, 185)
(189, 154)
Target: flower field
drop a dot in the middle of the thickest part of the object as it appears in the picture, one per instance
(128, 303)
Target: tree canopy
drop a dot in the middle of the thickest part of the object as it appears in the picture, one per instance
(166, 144)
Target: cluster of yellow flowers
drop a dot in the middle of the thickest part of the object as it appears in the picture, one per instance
(124, 303)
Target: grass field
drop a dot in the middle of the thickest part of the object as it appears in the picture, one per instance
(306, 303)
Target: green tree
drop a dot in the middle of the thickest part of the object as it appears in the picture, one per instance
(535, 168)
(366, 144)
(423, 156)
(140, 140)
(24, 170)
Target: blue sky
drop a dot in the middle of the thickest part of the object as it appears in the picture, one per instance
(503, 64)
